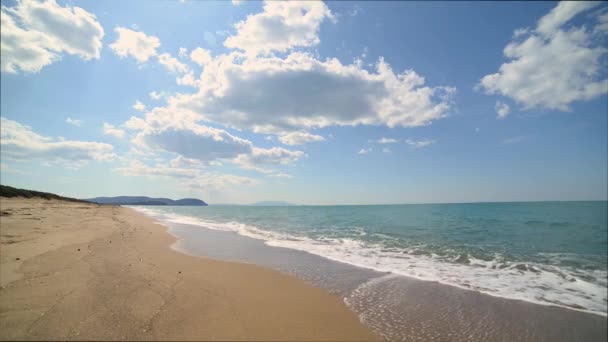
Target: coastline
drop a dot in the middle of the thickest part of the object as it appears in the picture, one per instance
(395, 306)
(83, 271)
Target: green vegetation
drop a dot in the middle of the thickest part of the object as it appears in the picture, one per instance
(9, 191)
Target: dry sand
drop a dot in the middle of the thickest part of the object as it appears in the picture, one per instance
(74, 271)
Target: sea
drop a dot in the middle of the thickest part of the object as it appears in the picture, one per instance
(472, 271)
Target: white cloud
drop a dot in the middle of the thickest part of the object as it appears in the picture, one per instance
(164, 131)
(74, 122)
(36, 33)
(419, 143)
(298, 92)
(183, 52)
(139, 106)
(386, 150)
(217, 181)
(281, 26)
(196, 142)
(602, 27)
(20, 142)
(299, 138)
(191, 177)
(135, 44)
(552, 22)
(287, 95)
(200, 56)
(502, 109)
(154, 95)
(111, 130)
(280, 175)
(137, 168)
(271, 156)
(187, 80)
(172, 64)
(237, 2)
(387, 141)
(553, 65)
(182, 162)
(365, 150)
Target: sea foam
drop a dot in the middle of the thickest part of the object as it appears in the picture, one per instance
(539, 283)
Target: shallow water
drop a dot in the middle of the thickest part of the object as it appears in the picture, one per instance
(399, 307)
(551, 253)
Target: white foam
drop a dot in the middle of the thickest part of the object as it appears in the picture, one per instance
(532, 282)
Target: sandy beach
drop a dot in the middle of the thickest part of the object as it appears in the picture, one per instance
(75, 271)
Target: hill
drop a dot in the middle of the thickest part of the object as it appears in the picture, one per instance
(9, 191)
(143, 200)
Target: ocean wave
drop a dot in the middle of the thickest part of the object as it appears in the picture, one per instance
(541, 283)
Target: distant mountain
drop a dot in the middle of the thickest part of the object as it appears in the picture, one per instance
(273, 204)
(143, 200)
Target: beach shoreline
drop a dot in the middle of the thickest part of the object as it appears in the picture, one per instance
(83, 271)
(394, 306)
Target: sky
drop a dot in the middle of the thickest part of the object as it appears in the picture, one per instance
(306, 102)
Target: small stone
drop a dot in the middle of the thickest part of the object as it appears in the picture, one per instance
(17, 258)
(180, 272)
(79, 249)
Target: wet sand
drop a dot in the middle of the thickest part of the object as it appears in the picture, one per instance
(401, 308)
(73, 271)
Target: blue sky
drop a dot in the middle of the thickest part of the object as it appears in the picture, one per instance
(311, 103)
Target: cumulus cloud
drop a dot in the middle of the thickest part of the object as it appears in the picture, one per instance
(271, 156)
(386, 150)
(365, 150)
(37, 33)
(139, 106)
(197, 142)
(299, 92)
(216, 181)
(21, 143)
(74, 122)
(200, 56)
(113, 131)
(182, 162)
(191, 177)
(280, 175)
(135, 44)
(419, 143)
(172, 64)
(154, 95)
(281, 26)
(554, 64)
(137, 168)
(502, 109)
(387, 141)
(165, 131)
(287, 95)
(299, 138)
(183, 52)
(187, 80)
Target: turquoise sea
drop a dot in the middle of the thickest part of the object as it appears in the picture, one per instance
(552, 253)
